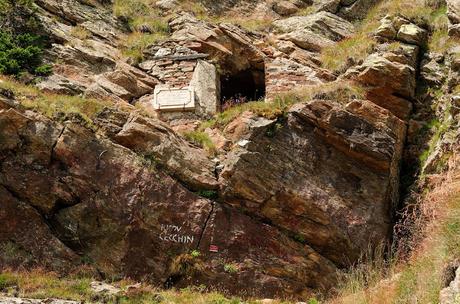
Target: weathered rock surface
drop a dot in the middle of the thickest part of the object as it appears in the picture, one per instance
(94, 69)
(313, 32)
(451, 294)
(390, 73)
(109, 205)
(356, 148)
(89, 63)
(297, 197)
(104, 288)
(155, 139)
(11, 300)
(453, 12)
(350, 10)
(433, 70)
(355, 9)
(397, 87)
(412, 34)
(234, 48)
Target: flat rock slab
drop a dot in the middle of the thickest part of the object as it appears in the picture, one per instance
(10, 300)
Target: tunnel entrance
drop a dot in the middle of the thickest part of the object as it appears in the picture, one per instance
(244, 86)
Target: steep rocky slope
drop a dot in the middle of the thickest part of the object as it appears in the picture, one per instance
(295, 191)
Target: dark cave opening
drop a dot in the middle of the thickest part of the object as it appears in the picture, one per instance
(244, 86)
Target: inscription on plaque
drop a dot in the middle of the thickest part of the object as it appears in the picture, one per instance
(174, 99)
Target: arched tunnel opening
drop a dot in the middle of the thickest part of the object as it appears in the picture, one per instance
(241, 87)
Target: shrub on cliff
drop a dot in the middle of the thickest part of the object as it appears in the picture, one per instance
(20, 49)
(21, 53)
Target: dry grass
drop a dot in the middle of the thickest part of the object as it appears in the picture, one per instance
(140, 13)
(355, 49)
(306, 11)
(249, 24)
(52, 105)
(80, 32)
(435, 222)
(40, 284)
(257, 25)
(136, 43)
(340, 91)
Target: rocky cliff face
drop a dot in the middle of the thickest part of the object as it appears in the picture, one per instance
(287, 201)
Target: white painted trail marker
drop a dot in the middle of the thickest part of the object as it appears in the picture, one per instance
(174, 99)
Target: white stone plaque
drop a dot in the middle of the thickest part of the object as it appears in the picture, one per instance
(174, 99)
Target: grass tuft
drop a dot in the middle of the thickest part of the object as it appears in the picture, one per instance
(202, 139)
(354, 50)
(140, 13)
(340, 91)
(53, 105)
(80, 32)
(436, 225)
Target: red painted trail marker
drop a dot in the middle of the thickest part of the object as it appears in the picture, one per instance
(213, 248)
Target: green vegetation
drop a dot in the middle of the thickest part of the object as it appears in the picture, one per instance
(340, 91)
(137, 42)
(16, 14)
(437, 128)
(195, 253)
(300, 238)
(185, 265)
(231, 268)
(41, 284)
(20, 49)
(209, 194)
(202, 139)
(149, 26)
(440, 41)
(7, 280)
(140, 12)
(21, 53)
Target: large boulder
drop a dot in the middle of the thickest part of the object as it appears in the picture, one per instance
(328, 175)
(412, 34)
(313, 32)
(322, 23)
(26, 241)
(59, 17)
(153, 138)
